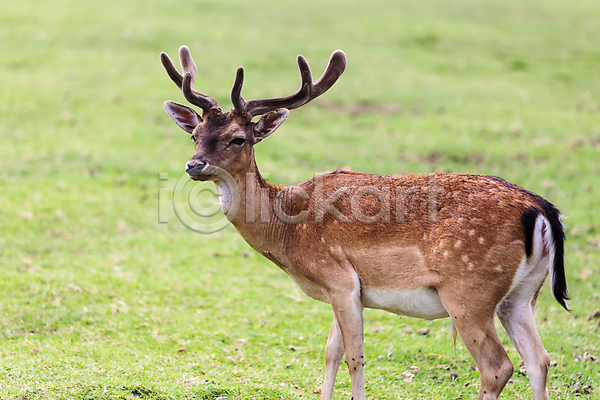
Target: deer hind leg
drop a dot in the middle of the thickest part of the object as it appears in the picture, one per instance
(477, 331)
(518, 320)
(482, 341)
(516, 314)
(334, 351)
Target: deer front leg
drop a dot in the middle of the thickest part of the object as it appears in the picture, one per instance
(334, 351)
(348, 312)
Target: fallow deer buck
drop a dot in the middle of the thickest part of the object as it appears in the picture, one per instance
(462, 246)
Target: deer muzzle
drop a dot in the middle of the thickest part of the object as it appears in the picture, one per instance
(196, 169)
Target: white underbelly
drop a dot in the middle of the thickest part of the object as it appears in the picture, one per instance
(422, 303)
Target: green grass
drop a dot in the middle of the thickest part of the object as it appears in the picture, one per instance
(99, 301)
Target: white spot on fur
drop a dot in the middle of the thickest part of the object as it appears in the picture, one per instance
(457, 244)
(481, 240)
(472, 232)
(498, 268)
(446, 253)
(470, 266)
(465, 258)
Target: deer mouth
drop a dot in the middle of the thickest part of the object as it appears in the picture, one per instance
(202, 172)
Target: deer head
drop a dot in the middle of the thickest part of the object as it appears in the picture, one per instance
(226, 140)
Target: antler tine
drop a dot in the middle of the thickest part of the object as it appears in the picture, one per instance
(187, 63)
(307, 92)
(204, 102)
(335, 68)
(240, 105)
(171, 70)
(186, 83)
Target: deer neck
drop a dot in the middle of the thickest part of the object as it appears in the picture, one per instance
(247, 201)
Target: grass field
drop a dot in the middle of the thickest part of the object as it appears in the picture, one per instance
(100, 301)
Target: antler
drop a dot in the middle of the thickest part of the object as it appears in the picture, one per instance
(186, 82)
(308, 90)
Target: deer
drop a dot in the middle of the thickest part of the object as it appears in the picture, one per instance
(460, 246)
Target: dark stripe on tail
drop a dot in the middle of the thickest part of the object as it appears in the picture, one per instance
(560, 283)
(529, 217)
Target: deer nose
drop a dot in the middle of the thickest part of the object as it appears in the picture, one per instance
(194, 168)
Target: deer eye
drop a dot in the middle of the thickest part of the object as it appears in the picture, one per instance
(237, 141)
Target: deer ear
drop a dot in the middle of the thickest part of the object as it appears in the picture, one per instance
(185, 117)
(268, 123)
